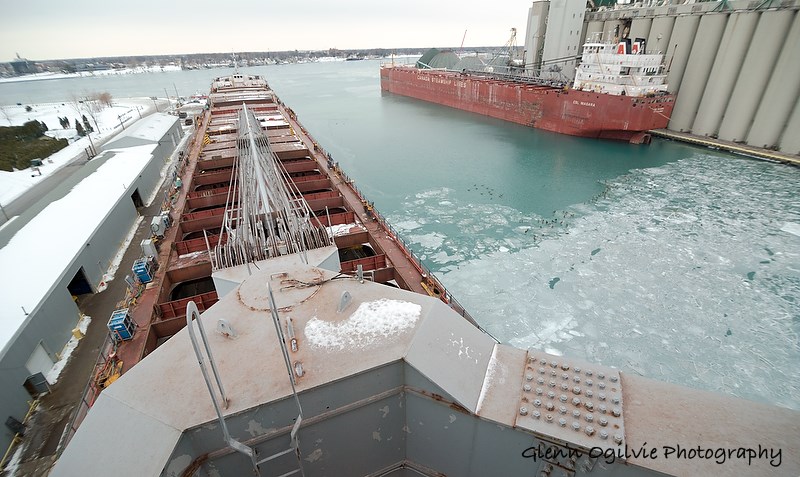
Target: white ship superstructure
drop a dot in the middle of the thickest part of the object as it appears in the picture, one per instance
(620, 70)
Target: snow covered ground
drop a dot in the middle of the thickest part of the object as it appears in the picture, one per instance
(66, 353)
(109, 124)
(122, 71)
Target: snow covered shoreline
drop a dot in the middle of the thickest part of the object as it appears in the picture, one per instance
(108, 122)
(83, 74)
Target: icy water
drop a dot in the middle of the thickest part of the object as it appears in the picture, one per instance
(679, 272)
(669, 261)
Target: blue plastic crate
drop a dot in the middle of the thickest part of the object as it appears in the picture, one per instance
(121, 325)
(142, 270)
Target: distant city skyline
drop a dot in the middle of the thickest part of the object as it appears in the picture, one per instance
(47, 30)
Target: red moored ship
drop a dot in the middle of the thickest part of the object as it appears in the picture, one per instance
(617, 94)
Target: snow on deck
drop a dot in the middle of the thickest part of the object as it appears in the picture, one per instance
(371, 322)
(35, 258)
(496, 371)
(344, 229)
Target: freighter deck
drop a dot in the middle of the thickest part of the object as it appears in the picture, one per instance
(362, 237)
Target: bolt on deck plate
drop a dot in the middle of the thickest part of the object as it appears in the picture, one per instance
(571, 401)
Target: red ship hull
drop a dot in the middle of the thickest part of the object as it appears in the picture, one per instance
(577, 113)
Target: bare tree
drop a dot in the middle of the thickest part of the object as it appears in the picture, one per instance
(94, 104)
(87, 103)
(105, 98)
(76, 103)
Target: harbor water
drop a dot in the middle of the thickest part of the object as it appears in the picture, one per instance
(669, 261)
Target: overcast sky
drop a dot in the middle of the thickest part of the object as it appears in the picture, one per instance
(53, 29)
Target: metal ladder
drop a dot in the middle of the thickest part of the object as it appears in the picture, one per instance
(294, 442)
(192, 314)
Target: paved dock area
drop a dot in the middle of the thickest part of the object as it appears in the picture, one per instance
(729, 146)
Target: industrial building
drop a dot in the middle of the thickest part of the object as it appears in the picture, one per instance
(61, 248)
(733, 65)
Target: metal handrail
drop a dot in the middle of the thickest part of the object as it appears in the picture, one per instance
(192, 314)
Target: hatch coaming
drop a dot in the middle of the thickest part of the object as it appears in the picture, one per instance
(390, 417)
(434, 393)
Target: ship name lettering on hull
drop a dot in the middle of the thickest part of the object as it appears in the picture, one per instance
(583, 103)
(434, 79)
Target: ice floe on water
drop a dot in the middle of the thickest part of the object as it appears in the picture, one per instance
(430, 241)
(445, 230)
(686, 273)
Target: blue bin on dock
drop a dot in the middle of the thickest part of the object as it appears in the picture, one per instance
(143, 270)
(121, 325)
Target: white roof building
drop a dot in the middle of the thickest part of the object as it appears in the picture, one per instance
(64, 246)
